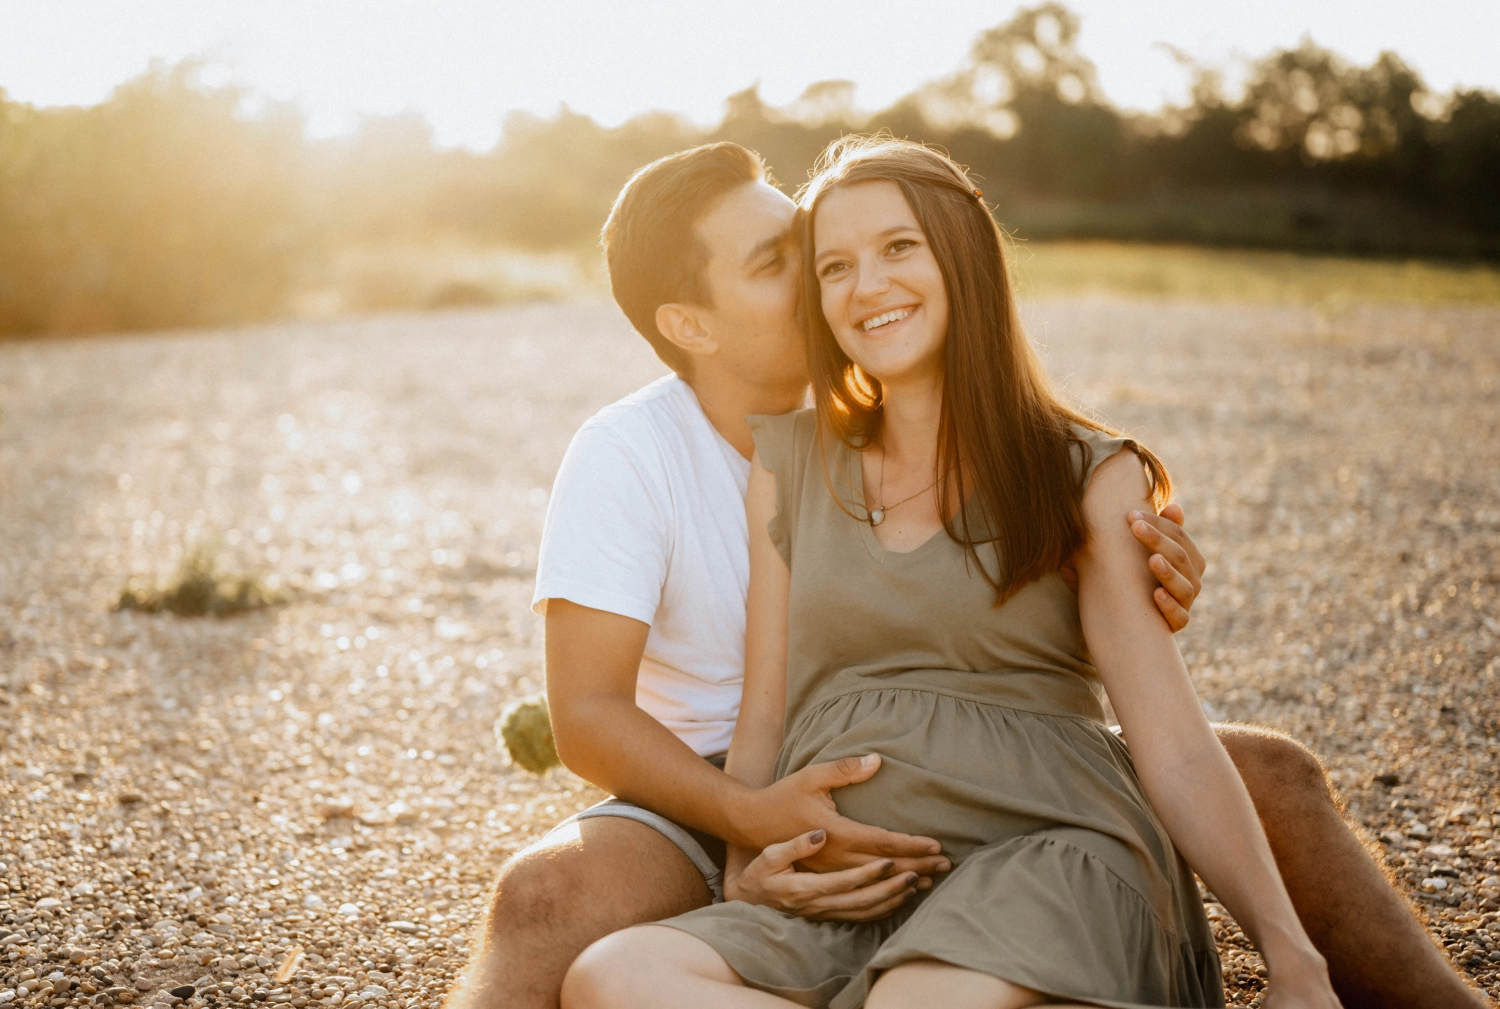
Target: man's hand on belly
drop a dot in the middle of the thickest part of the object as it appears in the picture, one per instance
(802, 802)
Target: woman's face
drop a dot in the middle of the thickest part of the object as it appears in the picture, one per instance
(883, 293)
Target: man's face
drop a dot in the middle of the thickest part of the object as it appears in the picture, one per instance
(753, 275)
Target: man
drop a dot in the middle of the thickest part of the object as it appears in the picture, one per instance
(642, 580)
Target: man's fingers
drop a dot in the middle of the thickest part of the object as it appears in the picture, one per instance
(1170, 525)
(1173, 581)
(845, 771)
(861, 837)
(1157, 535)
(927, 865)
(1177, 618)
(780, 857)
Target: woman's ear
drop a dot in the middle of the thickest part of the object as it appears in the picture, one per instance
(684, 326)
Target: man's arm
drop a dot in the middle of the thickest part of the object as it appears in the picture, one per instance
(592, 660)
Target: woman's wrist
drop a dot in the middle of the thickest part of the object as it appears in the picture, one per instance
(1290, 958)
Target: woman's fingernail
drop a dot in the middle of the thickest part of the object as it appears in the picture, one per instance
(887, 866)
(868, 759)
(816, 837)
(1136, 516)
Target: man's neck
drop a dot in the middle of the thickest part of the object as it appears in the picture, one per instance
(727, 400)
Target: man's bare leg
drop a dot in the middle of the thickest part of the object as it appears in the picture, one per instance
(554, 899)
(1379, 956)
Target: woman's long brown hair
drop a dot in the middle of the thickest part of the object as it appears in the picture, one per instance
(1004, 435)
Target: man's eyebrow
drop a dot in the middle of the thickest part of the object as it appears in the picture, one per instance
(766, 245)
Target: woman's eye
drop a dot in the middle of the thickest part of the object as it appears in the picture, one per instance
(831, 269)
(901, 245)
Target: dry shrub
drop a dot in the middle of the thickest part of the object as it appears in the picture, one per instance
(198, 589)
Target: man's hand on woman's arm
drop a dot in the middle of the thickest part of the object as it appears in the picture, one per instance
(1175, 562)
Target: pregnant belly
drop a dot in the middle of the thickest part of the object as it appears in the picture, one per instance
(971, 774)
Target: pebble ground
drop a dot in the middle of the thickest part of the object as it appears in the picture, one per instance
(305, 805)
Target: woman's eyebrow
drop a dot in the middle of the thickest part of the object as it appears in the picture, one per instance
(884, 234)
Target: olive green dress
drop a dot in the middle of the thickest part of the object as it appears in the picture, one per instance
(990, 727)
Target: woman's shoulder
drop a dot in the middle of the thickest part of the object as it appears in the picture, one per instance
(782, 438)
(1091, 446)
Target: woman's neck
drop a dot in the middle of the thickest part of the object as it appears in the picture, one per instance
(911, 414)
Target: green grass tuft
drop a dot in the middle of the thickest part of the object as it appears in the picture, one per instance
(198, 589)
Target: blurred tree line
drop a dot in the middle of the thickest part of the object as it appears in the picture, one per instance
(170, 204)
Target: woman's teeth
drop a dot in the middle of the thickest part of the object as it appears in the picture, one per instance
(886, 319)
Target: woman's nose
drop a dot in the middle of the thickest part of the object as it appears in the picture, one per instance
(873, 281)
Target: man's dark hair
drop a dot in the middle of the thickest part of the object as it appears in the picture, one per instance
(654, 253)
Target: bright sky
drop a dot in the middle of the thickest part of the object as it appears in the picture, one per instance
(464, 64)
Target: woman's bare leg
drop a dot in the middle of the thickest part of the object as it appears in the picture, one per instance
(923, 983)
(657, 967)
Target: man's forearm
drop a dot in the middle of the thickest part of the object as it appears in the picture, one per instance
(612, 743)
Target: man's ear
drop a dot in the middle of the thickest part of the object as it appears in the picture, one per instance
(684, 326)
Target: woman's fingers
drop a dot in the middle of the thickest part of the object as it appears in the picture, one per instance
(868, 903)
(782, 856)
(811, 887)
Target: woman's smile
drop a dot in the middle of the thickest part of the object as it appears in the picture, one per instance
(886, 319)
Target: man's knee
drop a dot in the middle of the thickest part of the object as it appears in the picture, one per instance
(1273, 765)
(535, 889)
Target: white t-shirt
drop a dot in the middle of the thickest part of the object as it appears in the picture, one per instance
(647, 519)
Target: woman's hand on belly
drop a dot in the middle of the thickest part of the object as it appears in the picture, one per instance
(867, 893)
(802, 802)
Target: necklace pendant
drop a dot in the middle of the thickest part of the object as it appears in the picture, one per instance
(877, 516)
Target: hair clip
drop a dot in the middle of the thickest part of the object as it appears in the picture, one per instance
(978, 195)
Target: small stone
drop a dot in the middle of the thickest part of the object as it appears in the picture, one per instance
(349, 910)
(184, 991)
(407, 927)
(141, 984)
(1389, 779)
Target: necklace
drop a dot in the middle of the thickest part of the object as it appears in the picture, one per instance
(877, 514)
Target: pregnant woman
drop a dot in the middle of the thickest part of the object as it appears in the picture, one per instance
(939, 581)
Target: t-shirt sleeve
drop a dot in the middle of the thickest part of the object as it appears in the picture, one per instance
(607, 539)
(776, 442)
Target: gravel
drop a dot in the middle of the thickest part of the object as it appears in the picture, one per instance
(305, 804)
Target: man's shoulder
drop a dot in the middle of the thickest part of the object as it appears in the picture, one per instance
(648, 421)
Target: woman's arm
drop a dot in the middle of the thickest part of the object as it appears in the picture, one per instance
(757, 733)
(1185, 772)
(878, 869)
